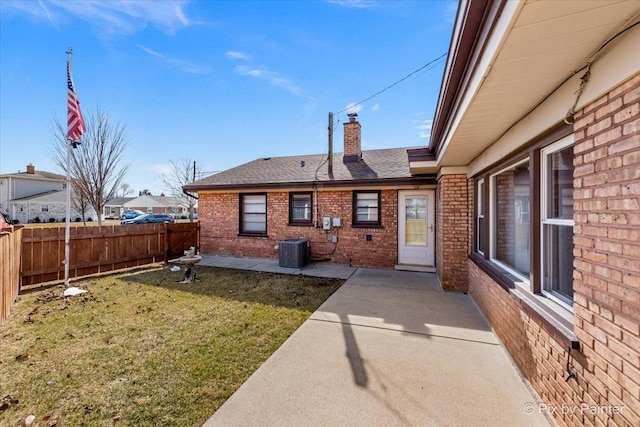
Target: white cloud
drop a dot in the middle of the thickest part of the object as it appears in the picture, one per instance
(276, 79)
(375, 107)
(233, 54)
(424, 128)
(109, 17)
(181, 64)
(352, 107)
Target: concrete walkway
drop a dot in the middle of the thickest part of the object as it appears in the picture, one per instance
(389, 348)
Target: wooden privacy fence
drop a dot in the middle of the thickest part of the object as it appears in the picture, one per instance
(92, 251)
(9, 271)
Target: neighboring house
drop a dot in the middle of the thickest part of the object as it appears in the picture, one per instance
(371, 212)
(537, 218)
(113, 209)
(25, 184)
(158, 204)
(46, 207)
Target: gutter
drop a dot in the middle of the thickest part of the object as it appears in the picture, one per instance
(463, 53)
(424, 180)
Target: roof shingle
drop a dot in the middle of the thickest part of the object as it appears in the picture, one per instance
(375, 164)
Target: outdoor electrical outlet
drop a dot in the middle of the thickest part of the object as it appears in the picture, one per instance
(334, 239)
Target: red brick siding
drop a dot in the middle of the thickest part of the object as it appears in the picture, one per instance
(532, 346)
(607, 246)
(352, 135)
(219, 233)
(606, 272)
(452, 231)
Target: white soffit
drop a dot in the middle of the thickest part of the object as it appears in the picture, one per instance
(548, 41)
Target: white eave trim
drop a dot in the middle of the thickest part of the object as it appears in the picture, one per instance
(504, 24)
(423, 166)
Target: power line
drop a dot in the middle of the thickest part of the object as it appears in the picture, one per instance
(397, 82)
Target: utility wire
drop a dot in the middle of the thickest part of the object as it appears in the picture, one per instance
(397, 82)
(587, 65)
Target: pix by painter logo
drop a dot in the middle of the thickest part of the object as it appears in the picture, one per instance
(564, 409)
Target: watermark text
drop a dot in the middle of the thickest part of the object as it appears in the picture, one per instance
(564, 409)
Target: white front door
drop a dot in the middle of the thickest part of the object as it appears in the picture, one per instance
(416, 228)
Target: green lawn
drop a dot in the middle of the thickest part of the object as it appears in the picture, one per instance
(141, 349)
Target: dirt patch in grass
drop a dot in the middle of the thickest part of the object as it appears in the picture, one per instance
(141, 349)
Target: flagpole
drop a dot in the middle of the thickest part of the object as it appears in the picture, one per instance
(67, 224)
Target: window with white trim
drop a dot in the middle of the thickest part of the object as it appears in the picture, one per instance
(529, 207)
(510, 222)
(557, 221)
(480, 216)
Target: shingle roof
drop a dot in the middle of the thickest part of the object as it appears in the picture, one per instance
(383, 164)
(52, 196)
(36, 175)
(167, 200)
(119, 201)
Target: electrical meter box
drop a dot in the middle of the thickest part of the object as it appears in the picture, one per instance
(326, 223)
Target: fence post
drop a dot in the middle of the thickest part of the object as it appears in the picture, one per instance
(166, 243)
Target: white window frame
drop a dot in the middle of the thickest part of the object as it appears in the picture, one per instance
(524, 281)
(480, 214)
(544, 220)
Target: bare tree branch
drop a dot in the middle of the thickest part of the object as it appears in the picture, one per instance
(182, 172)
(97, 163)
(125, 189)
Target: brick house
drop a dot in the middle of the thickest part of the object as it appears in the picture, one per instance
(369, 210)
(534, 167)
(536, 140)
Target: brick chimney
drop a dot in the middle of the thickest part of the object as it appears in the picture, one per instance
(31, 169)
(352, 146)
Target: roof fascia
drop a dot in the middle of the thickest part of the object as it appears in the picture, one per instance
(418, 180)
(475, 23)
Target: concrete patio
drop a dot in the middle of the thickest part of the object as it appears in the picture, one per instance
(389, 348)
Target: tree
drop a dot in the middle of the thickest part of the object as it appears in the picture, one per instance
(97, 163)
(125, 189)
(182, 173)
(80, 202)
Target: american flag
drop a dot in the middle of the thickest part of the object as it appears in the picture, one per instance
(75, 122)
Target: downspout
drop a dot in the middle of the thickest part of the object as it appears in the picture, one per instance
(190, 195)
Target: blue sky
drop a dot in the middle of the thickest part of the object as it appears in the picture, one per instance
(220, 82)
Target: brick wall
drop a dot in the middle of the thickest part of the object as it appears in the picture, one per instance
(606, 278)
(607, 245)
(452, 231)
(540, 354)
(352, 144)
(218, 214)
